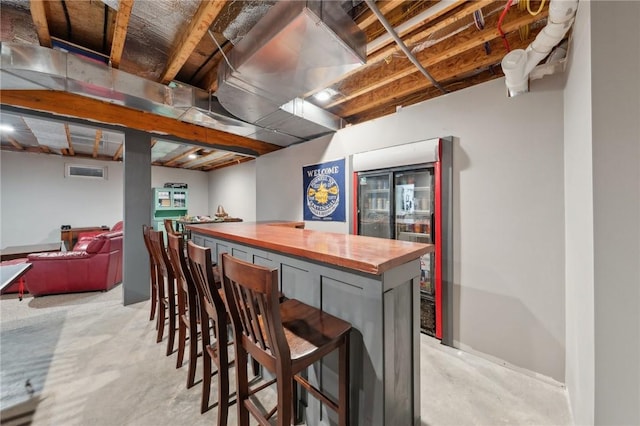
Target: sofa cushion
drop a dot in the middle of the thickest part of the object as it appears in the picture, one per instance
(96, 244)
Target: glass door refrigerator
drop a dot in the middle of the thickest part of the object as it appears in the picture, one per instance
(405, 193)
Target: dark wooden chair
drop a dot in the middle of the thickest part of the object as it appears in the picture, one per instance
(214, 332)
(168, 226)
(153, 266)
(285, 338)
(188, 308)
(166, 281)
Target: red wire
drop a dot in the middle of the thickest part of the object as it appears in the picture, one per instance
(502, 15)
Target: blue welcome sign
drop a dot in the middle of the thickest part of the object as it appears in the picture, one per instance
(324, 194)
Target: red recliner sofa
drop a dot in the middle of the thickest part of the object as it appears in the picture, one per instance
(84, 238)
(97, 267)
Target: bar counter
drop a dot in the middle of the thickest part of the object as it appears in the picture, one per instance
(371, 282)
(365, 254)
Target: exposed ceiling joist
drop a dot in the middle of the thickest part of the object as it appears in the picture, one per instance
(68, 133)
(96, 143)
(118, 153)
(39, 16)
(120, 32)
(174, 160)
(384, 6)
(15, 143)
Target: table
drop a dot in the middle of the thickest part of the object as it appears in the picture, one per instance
(10, 273)
(371, 282)
(16, 252)
(70, 236)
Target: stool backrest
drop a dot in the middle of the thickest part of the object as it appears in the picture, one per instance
(168, 226)
(202, 273)
(252, 297)
(164, 265)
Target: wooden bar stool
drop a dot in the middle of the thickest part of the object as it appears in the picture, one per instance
(188, 315)
(285, 338)
(213, 319)
(153, 266)
(166, 281)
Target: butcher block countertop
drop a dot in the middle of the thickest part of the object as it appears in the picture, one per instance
(365, 254)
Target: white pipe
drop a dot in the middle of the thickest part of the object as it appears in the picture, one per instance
(518, 64)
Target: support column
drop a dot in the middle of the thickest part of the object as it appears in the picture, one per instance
(137, 211)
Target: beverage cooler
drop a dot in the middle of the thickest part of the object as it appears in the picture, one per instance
(397, 197)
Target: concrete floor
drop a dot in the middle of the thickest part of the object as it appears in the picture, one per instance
(91, 361)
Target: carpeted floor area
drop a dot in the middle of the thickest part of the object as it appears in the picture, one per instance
(84, 359)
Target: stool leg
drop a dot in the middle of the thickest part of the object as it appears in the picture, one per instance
(154, 296)
(223, 378)
(172, 319)
(182, 335)
(206, 380)
(285, 395)
(343, 380)
(160, 322)
(193, 356)
(242, 385)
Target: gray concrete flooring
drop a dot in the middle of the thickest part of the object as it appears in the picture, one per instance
(91, 361)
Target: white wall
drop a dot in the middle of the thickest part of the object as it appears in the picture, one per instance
(198, 182)
(508, 217)
(615, 91)
(235, 189)
(36, 198)
(578, 181)
(602, 179)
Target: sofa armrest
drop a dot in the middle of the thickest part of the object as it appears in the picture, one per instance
(57, 256)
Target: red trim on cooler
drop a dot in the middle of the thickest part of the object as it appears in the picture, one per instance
(438, 243)
(355, 203)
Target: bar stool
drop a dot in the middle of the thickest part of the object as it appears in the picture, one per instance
(166, 282)
(153, 266)
(212, 312)
(285, 338)
(168, 226)
(188, 317)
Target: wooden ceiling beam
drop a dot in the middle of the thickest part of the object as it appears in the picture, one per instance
(118, 153)
(15, 143)
(387, 49)
(384, 73)
(429, 93)
(68, 133)
(39, 16)
(384, 6)
(73, 105)
(207, 12)
(459, 65)
(120, 31)
(96, 143)
(233, 162)
(412, 39)
(179, 157)
(423, 23)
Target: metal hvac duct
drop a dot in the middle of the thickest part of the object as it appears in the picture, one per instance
(28, 67)
(297, 47)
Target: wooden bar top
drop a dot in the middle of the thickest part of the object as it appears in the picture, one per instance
(365, 254)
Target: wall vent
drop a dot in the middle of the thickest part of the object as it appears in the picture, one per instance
(85, 171)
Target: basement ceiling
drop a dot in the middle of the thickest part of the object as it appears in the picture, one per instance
(184, 42)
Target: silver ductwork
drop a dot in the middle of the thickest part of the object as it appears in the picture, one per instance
(28, 67)
(297, 47)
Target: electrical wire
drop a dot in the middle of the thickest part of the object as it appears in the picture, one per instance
(221, 51)
(537, 11)
(502, 34)
(403, 46)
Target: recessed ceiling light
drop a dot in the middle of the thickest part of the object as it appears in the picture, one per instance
(325, 95)
(193, 156)
(6, 128)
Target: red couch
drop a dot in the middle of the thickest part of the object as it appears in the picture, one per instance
(98, 267)
(84, 238)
